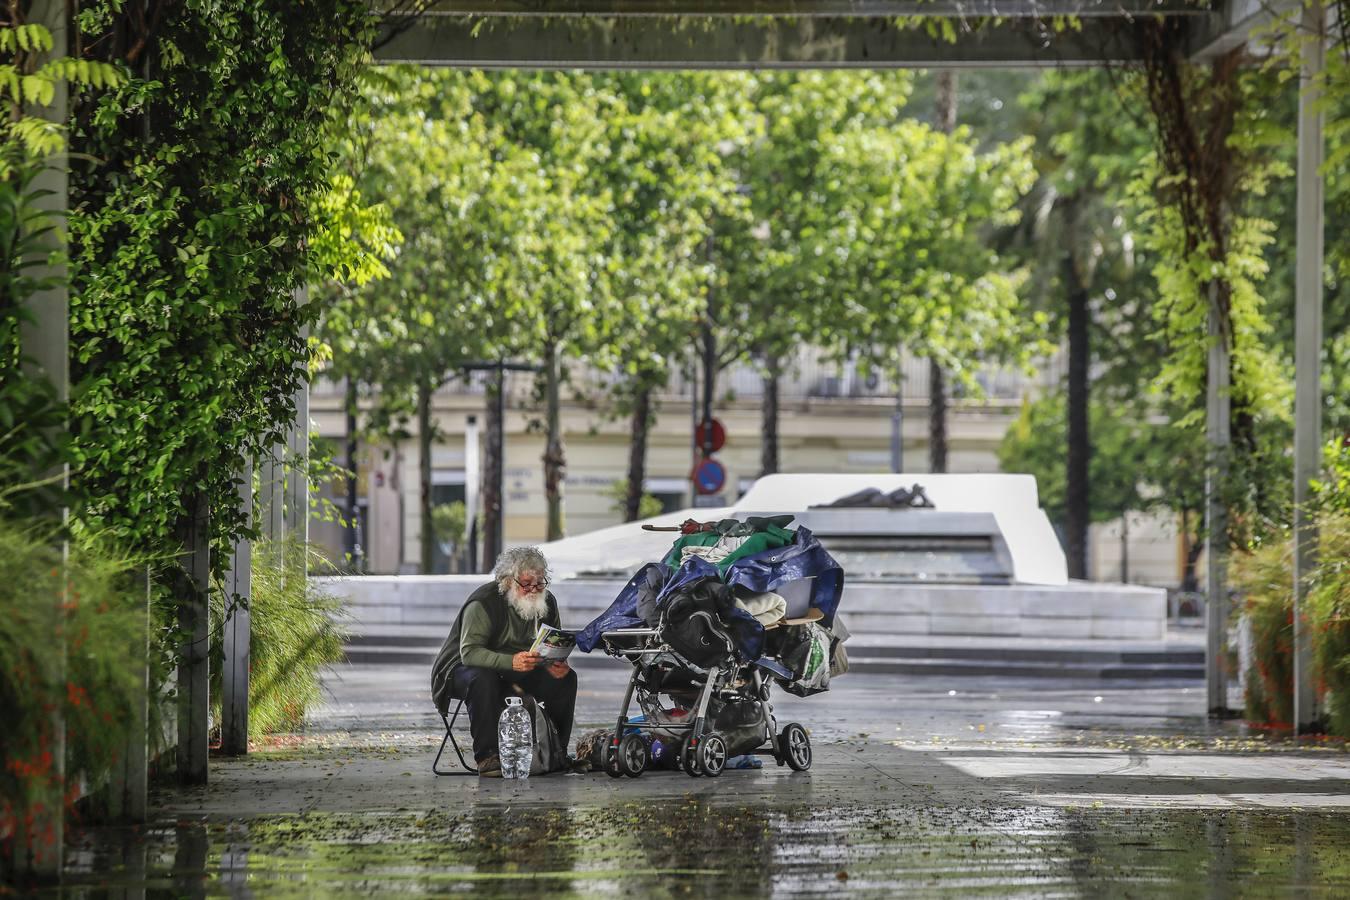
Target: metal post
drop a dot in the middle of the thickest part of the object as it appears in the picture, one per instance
(193, 585)
(353, 536)
(499, 533)
(236, 638)
(693, 431)
(1307, 352)
(1218, 434)
(472, 487)
(898, 421)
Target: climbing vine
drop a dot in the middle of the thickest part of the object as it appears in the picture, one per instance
(196, 211)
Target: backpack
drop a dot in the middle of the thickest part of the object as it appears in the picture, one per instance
(441, 682)
(549, 753)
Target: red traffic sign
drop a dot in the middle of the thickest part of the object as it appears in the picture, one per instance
(719, 436)
(709, 476)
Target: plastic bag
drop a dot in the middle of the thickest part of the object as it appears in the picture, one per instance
(808, 655)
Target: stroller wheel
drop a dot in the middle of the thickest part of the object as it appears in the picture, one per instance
(712, 754)
(612, 758)
(794, 746)
(633, 755)
(689, 759)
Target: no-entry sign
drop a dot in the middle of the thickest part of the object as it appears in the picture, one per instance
(709, 476)
(719, 436)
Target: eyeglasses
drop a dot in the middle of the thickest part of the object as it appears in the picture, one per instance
(531, 586)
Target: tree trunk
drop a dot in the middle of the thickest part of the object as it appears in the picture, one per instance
(492, 474)
(555, 461)
(1077, 490)
(424, 436)
(351, 537)
(944, 115)
(1195, 545)
(937, 418)
(709, 342)
(768, 460)
(637, 453)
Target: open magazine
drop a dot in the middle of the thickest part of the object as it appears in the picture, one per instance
(552, 643)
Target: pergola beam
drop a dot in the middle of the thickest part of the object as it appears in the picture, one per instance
(883, 9)
(771, 43)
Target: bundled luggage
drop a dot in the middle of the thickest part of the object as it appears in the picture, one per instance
(733, 608)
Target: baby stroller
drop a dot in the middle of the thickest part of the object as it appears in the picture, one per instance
(704, 665)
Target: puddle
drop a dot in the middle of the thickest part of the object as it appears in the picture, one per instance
(697, 847)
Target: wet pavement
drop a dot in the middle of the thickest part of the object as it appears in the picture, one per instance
(926, 786)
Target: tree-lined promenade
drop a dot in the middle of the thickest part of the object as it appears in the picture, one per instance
(204, 205)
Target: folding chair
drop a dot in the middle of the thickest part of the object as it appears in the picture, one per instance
(450, 736)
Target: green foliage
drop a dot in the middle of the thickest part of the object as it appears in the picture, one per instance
(193, 217)
(617, 492)
(1132, 458)
(33, 439)
(911, 240)
(1216, 151)
(1329, 613)
(296, 630)
(449, 521)
(1265, 575)
(68, 648)
(28, 78)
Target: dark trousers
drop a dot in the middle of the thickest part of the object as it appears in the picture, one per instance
(485, 691)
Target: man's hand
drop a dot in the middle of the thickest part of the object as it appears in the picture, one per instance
(559, 669)
(525, 661)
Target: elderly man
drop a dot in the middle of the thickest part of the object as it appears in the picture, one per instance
(486, 655)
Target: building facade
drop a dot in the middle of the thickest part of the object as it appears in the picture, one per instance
(832, 418)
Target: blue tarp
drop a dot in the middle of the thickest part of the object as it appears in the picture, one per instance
(766, 571)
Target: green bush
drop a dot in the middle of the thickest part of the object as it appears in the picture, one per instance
(295, 631)
(1329, 607)
(74, 648)
(617, 492)
(1266, 577)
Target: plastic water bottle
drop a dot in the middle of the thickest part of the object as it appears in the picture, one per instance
(515, 739)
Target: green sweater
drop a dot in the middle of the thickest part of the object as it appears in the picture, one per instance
(476, 645)
(471, 642)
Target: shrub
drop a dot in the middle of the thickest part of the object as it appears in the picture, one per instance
(1265, 576)
(80, 655)
(295, 631)
(1329, 608)
(617, 492)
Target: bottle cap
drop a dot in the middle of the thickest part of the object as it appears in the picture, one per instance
(513, 701)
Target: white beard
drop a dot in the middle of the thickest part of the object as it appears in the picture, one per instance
(527, 606)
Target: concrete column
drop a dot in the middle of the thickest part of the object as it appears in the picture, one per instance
(272, 494)
(45, 341)
(1307, 351)
(128, 781)
(192, 587)
(297, 479)
(1218, 434)
(236, 637)
(297, 455)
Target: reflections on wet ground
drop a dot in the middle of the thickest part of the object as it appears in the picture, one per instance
(700, 847)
